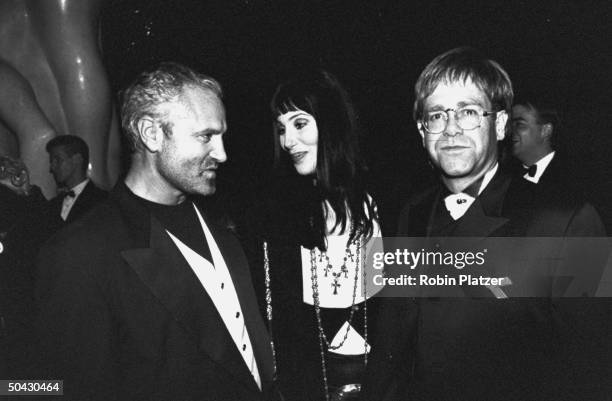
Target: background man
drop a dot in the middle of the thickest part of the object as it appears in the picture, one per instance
(476, 348)
(535, 125)
(68, 163)
(147, 297)
(27, 220)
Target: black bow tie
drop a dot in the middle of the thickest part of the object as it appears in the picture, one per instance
(69, 193)
(531, 171)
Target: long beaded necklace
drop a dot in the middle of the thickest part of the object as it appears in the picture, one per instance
(315, 291)
(315, 295)
(269, 306)
(323, 342)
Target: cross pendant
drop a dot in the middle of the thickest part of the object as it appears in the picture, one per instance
(344, 270)
(328, 269)
(336, 284)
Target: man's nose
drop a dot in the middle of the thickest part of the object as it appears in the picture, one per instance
(218, 149)
(452, 127)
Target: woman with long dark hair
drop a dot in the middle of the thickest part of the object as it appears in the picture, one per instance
(320, 226)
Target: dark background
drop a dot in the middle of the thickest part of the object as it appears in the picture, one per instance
(377, 48)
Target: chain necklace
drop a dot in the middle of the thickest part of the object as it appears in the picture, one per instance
(315, 293)
(328, 267)
(269, 306)
(323, 342)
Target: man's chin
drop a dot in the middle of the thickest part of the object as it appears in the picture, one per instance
(208, 189)
(455, 169)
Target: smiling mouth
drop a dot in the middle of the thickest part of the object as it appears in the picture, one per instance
(298, 156)
(454, 148)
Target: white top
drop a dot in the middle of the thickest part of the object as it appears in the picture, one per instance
(217, 282)
(541, 164)
(69, 201)
(341, 294)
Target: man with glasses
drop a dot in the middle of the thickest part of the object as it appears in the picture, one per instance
(484, 344)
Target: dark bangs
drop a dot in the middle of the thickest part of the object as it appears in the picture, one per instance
(293, 96)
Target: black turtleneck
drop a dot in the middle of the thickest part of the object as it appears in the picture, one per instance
(182, 221)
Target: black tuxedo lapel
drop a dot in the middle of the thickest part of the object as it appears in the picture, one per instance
(476, 223)
(88, 198)
(417, 219)
(485, 217)
(239, 270)
(81, 204)
(55, 209)
(167, 274)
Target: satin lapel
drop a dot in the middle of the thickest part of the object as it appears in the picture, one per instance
(238, 267)
(484, 217)
(419, 218)
(82, 203)
(55, 206)
(170, 278)
(475, 223)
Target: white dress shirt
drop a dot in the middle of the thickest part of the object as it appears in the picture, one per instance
(541, 164)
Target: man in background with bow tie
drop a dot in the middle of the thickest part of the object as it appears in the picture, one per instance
(149, 296)
(486, 346)
(77, 194)
(68, 163)
(28, 220)
(535, 129)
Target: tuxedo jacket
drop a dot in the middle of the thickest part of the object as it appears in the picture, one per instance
(90, 196)
(123, 316)
(485, 348)
(557, 173)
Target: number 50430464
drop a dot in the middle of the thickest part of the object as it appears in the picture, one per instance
(31, 387)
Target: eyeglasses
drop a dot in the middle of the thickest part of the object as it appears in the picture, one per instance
(468, 117)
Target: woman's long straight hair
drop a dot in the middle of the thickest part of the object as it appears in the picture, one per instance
(340, 172)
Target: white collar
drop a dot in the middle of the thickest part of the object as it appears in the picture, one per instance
(541, 164)
(457, 204)
(77, 189)
(487, 178)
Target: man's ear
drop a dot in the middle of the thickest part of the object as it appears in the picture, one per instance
(500, 125)
(547, 131)
(421, 131)
(150, 133)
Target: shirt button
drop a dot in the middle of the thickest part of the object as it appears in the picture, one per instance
(237, 315)
(244, 347)
(222, 285)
